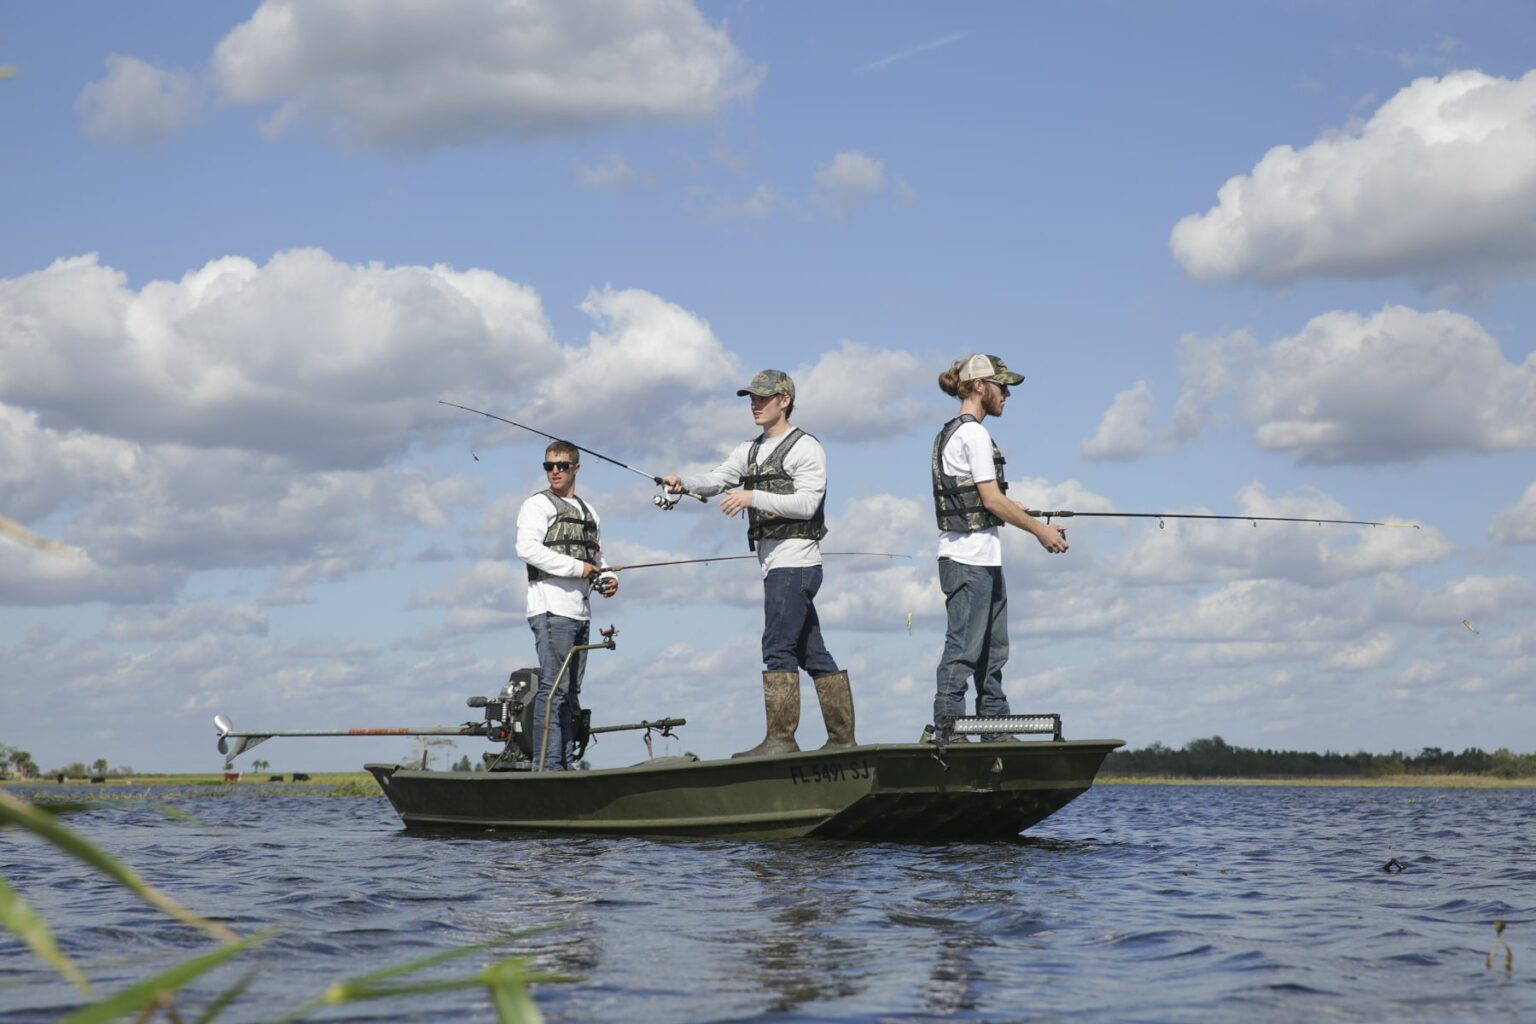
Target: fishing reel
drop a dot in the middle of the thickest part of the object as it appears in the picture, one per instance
(665, 500)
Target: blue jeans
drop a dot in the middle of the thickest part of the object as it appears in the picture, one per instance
(976, 640)
(791, 629)
(553, 637)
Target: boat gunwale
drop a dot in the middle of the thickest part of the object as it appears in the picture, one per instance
(599, 825)
(959, 751)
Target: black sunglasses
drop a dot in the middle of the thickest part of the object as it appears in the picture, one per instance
(564, 467)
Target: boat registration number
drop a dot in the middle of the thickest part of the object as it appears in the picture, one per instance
(829, 771)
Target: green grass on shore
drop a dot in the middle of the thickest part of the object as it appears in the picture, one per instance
(1380, 781)
(264, 780)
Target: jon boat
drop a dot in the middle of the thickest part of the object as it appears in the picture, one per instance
(903, 791)
(972, 782)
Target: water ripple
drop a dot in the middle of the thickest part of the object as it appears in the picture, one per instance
(1136, 903)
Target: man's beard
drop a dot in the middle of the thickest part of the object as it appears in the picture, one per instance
(993, 403)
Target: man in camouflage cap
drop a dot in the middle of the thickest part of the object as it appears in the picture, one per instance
(780, 480)
(971, 502)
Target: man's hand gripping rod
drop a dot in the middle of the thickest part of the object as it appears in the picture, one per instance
(663, 500)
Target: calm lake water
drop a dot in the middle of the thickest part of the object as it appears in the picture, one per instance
(1136, 903)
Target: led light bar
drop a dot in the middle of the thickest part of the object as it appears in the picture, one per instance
(1004, 725)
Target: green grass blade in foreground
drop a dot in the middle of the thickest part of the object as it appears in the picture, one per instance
(18, 812)
(444, 956)
(229, 995)
(18, 915)
(508, 981)
(145, 993)
(373, 985)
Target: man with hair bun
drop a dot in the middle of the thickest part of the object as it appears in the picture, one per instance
(780, 480)
(558, 538)
(971, 503)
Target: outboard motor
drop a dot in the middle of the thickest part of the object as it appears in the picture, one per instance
(509, 717)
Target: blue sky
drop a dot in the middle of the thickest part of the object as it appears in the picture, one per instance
(1269, 259)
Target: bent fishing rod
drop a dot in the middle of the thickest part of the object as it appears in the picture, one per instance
(663, 501)
(1160, 516)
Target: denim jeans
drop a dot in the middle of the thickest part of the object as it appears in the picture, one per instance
(553, 637)
(791, 629)
(976, 640)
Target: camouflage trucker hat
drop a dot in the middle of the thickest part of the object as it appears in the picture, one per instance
(984, 367)
(770, 382)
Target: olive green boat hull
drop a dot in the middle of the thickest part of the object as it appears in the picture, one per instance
(888, 792)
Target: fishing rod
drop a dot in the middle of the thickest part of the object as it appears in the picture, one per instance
(1255, 520)
(663, 501)
(735, 558)
(596, 581)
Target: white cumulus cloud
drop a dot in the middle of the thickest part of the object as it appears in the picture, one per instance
(849, 181)
(1439, 185)
(1516, 524)
(137, 103)
(653, 371)
(256, 416)
(418, 74)
(316, 361)
(1126, 431)
(1394, 386)
(889, 383)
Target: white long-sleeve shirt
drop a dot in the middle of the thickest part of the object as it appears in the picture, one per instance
(565, 591)
(806, 465)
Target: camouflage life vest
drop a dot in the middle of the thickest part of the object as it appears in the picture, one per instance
(956, 500)
(572, 532)
(770, 477)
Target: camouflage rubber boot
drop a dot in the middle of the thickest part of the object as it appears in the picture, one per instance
(781, 698)
(836, 709)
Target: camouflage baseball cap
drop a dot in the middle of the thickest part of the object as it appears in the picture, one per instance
(983, 367)
(770, 382)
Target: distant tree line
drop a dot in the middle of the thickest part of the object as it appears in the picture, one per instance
(19, 763)
(1214, 757)
(14, 760)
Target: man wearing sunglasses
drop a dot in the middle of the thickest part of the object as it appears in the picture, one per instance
(557, 536)
(780, 481)
(971, 501)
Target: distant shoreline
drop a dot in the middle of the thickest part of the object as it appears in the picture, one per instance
(313, 780)
(1374, 781)
(323, 780)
